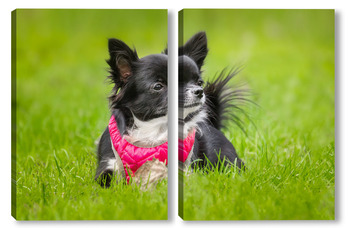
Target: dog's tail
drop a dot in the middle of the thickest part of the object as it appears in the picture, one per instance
(224, 102)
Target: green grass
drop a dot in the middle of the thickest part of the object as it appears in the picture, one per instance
(62, 109)
(288, 59)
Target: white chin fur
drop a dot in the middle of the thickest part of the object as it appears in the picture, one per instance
(148, 133)
(184, 112)
(192, 124)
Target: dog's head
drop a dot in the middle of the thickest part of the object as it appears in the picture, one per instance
(140, 83)
(191, 94)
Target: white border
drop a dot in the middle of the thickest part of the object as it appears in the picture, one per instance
(342, 110)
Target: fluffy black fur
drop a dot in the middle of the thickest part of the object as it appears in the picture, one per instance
(140, 91)
(220, 105)
(224, 103)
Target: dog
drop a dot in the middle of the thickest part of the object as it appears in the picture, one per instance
(138, 127)
(137, 130)
(202, 109)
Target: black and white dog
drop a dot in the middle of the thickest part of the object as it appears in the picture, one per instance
(138, 127)
(203, 107)
(139, 106)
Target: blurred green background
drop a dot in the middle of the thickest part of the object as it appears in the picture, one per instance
(62, 109)
(287, 57)
(287, 61)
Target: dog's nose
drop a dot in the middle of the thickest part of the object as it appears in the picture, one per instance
(198, 92)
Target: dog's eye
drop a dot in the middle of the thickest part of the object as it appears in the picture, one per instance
(158, 86)
(200, 82)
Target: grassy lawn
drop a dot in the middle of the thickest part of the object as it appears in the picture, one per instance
(62, 109)
(288, 59)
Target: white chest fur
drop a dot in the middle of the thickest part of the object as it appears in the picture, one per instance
(148, 133)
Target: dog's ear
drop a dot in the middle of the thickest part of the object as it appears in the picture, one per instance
(121, 61)
(196, 48)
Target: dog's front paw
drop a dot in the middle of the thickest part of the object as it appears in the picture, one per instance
(104, 178)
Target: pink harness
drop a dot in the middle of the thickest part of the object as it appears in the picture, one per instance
(133, 157)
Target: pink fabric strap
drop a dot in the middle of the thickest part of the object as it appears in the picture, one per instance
(185, 146)
(133, 157)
